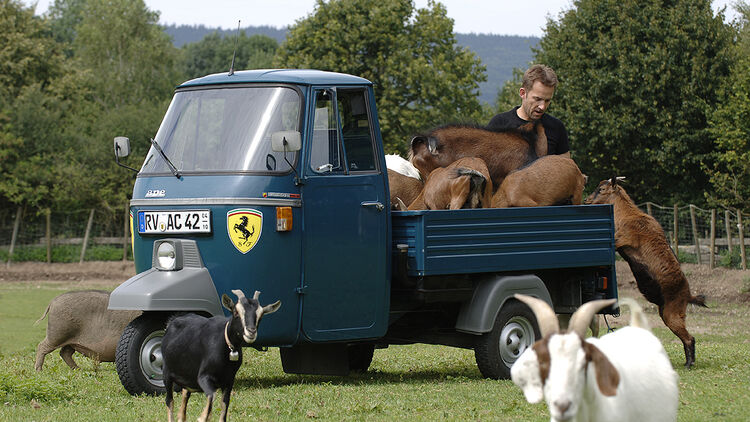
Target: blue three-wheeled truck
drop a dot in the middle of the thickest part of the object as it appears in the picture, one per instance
(275, 180)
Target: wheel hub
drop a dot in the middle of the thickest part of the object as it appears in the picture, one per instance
(151, 358)
(517, 335)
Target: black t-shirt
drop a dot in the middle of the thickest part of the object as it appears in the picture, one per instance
(557, 136)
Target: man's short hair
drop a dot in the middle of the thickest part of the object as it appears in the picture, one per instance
(539, 72)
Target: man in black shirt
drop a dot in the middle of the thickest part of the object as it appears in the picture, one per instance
(537, 89)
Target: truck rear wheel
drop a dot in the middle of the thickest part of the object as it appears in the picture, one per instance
(360, 356)
(514, 331)
(138, 356)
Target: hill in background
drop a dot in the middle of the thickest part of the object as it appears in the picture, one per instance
(500, 53)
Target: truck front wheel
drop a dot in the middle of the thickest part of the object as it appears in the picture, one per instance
(138, 356)
(515, 330)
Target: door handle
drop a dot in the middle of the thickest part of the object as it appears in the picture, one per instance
(378, 206)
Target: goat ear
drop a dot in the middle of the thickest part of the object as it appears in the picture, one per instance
(269, 309)
(607, 377)
(419, 139)
(525, 374)
(432, 145)
(227, 302)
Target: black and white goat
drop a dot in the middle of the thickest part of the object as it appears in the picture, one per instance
(204, 354)
(622, 376)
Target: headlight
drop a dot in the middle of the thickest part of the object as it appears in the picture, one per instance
(166, 256)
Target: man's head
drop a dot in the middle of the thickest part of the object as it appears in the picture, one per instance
(537, 89)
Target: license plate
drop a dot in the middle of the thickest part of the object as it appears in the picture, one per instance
(164, 222)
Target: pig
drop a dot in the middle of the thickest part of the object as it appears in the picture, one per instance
(79, 321)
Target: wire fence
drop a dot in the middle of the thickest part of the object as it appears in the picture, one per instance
(103, 234)
(64, 236)
(705, 236)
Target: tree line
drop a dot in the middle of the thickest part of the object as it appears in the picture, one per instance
(654, 90)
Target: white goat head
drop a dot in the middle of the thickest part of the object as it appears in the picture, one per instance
(555, 367)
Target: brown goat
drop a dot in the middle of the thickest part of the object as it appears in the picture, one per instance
(550, 180)
(465, 183)
(640, 241)
(404, 188)
(502, 151)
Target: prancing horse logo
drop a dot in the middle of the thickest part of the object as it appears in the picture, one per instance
(244, 226)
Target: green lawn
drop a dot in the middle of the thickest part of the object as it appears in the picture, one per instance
(417, 382)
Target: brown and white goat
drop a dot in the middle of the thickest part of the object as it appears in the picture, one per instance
(640, 240)
(404, 181)
(550, 180)
(503, 151)
(623, 376)
(465, 183)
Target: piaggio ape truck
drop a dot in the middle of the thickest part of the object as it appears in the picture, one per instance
(275, 181)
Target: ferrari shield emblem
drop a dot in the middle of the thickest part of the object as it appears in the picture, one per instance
(244, 226)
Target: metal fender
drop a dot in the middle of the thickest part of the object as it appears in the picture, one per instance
(478, 315)
(189, 289)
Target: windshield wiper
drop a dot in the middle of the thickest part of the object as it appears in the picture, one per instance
(169, 163)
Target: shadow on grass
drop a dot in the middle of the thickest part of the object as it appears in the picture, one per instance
(374, 377)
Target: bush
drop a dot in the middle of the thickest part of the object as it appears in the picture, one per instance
(732, 260)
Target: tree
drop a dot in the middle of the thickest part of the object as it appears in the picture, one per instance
(730, 127)
(213, 54)
(421, 77)
(125, 53)
(30, 139)
(638, 80)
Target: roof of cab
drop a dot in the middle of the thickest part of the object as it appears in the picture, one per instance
(290, 76)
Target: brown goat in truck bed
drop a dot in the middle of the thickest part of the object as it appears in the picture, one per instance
(640, 240)
(550, 180)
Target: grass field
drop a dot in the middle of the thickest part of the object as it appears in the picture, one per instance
(417, 382)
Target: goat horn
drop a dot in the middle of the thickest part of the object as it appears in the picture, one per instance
(620, 178)
(582, 316)
(545, 315)
(238, 293)
(256, 295)
(401, 205)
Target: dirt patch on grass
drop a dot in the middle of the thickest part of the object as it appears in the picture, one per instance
(87, 274)
(719, 285)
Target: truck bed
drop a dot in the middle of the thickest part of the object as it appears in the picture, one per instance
(438, 242)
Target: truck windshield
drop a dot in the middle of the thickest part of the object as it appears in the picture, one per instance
(226, 129)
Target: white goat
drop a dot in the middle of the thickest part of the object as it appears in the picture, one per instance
(622, 376)
(402, 166)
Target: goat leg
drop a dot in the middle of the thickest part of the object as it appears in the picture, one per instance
(673, 315)
(227, 393)
(182, 417)
(207, 410)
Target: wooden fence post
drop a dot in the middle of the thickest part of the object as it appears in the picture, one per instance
(86, 236)
(13, 238)
(728, 224)
(695, 234)
(712, 254)
(49, 235)
(676, 241)
(127, 232)
(648, 209)
(742, 239)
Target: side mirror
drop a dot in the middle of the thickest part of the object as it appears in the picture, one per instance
(122, 147)
(286, 141)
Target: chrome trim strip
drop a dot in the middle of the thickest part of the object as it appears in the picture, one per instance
(281, 202)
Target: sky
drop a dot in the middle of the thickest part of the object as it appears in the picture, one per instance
(501, 17)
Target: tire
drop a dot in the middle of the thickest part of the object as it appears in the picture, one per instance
(360, 356)
(138, 355)
(515, 329)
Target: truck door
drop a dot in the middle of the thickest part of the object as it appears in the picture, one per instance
(345, 281)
